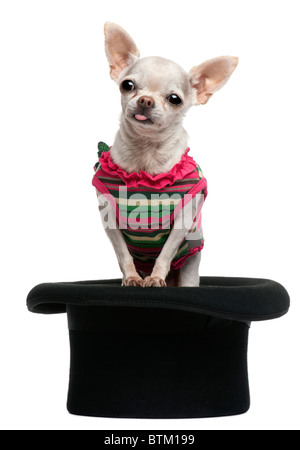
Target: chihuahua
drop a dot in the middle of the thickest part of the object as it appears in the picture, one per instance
(148, 161)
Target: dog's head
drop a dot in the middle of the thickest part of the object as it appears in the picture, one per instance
(156, 92)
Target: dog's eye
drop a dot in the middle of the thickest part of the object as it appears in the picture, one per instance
(175, 99)
(127, 85)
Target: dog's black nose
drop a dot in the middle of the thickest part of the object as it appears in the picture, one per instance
(146, 102)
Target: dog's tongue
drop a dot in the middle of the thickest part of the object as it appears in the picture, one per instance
(140, 117)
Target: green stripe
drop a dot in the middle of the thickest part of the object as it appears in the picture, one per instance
(149, 210)
(146, 195)
(148, 244)
(139, 233)
(143, 245)
(145, 215)
(145, 189)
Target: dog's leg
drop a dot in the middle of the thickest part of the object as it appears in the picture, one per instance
(125, 260)
(163, 263)
(189, 273)
(182, 225)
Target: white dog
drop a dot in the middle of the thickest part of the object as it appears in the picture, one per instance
(149, 157)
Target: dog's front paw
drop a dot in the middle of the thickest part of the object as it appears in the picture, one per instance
(154, 282)
(133, 281)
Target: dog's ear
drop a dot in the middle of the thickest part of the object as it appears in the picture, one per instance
(120, 49)
(210, 76)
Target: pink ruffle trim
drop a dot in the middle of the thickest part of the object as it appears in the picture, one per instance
(181, 261)
(179, 171)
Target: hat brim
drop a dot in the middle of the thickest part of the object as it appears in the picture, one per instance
(244, 299)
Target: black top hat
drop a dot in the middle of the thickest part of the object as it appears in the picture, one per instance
(160, 352)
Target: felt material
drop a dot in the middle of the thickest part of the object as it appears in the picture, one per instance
(247, 299)
(151, 363)
(160, 352)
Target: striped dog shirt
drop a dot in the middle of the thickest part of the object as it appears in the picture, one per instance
(146, 205)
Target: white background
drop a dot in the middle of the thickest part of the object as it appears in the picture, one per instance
(57, 101)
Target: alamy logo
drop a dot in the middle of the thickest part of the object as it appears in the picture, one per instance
(149, 212)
